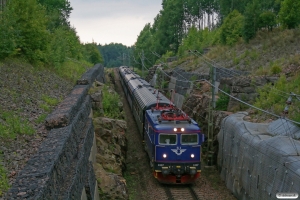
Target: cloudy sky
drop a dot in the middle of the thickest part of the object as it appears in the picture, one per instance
(107, 21)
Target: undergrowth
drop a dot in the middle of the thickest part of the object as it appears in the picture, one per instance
(272, 97)
(110, 103)
(72, 69)
(222, 102)
(12, 124)
(4, 184)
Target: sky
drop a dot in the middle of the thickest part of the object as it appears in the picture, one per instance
(112, 21)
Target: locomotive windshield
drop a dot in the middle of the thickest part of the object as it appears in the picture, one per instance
(189, 139)
(167, 139)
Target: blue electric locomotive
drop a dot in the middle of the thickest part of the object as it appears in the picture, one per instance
(172, 139)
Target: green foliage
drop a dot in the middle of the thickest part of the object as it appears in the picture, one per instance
(39, 31)
(110, 103)
(45, 107)
(4, 182)
(72, 69)
(50, 101)
(58, 12)
(231, 29)
(275, 69)
(41, 118)
(63, 43)
(289, 14)
(11, 124)
(270, 99)
(267, 19)
(92, 53)
(164, 57)
(223, 100)
(198, 40)
(115, 55)
(144, 43)
(24, 30)
(251, 22)
(30, 37)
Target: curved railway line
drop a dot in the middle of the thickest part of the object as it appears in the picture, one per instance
(140, 182)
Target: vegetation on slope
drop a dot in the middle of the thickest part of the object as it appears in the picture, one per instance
(41, 57)
(260, 37)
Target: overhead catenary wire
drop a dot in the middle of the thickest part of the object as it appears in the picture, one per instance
(252, 106)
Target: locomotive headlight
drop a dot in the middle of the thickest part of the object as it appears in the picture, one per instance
(192, 155)
(175, 129)
(182, 129)
(164, 155)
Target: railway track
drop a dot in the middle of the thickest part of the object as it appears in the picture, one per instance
(141, 183)
(179, 192)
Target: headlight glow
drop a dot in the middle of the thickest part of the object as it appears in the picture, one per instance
(164, 155)
(182, 129)
(175, 129)
(192, 155)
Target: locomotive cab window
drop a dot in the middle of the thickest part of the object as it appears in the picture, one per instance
(167, 139)
(189, 139)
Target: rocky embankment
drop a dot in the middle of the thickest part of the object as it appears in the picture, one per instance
(24, 91)
(111, 148)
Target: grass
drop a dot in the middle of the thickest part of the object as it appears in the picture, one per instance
(4, 184)
(72, 70)
(41, 118)
(131, 185)
(50, 101)
(11, 124)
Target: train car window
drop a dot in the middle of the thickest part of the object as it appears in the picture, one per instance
(189, 139)
(167, 139)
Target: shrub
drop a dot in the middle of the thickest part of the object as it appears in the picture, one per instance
(110, 103)
(267, 19)
(276, 69)
(222, 102)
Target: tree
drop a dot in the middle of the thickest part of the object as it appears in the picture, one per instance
(289, 14)
(232, 28)
(26, 28)
(115, 54)
(92, 53)
(267, 19)
(251, 22)
(58, 12)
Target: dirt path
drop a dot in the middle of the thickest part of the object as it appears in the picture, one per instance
(140, 182)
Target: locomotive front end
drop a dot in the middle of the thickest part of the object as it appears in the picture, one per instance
(177, 156)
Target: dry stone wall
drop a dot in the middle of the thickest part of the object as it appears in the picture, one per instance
(62, 167)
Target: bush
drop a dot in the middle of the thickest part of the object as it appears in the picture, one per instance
(267, 19)
(222, 102)
(110, 103)
(276, 69)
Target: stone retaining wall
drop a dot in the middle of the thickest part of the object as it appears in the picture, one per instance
(62, 167)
